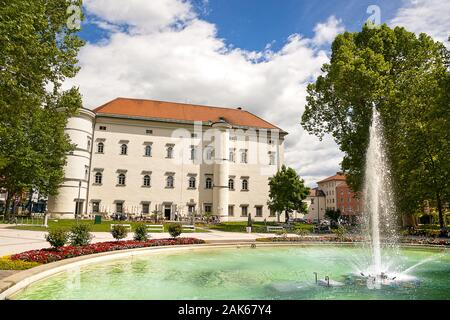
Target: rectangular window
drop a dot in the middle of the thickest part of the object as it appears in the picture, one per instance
(95, 206)
(191, 208)
(312, 201)
(148, 131)
(244, 211)
(208, 208)
(193, 135)
(145, 208)
(103, 128)
(119, 207)
(272, 213)
(231, 210)
(259, 211)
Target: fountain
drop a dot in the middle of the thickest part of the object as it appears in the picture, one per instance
(379, 219)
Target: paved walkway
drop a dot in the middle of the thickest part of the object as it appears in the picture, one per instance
(15, 241)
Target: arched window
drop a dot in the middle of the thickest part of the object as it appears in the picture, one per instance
(100, 147)
(244, 156)
(231, 184)
(146, 180)
(192, 182)
(169, 182)
(148, 151)
(121, 179)
(169, 152)
(208, 184)
(209, 153)
(123, 149)
(98, 178)
(245, 184)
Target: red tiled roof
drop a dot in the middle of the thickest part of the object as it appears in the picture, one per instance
(181, 111)
(339, 176)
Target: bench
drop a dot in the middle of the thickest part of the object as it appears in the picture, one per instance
(128, 226)
(188, 227)
(155, 227)
(274, 228)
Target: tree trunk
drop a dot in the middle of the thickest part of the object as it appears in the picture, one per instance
(441, 215)
(7, 204)
(408, 220)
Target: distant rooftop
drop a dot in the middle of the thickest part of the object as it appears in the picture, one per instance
(339, 176)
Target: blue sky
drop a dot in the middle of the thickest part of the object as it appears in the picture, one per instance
(252, 24)
(213, 52)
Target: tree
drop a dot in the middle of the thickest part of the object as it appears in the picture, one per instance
(407, 78)
(333, 215)
(39, 50)
(287, 192)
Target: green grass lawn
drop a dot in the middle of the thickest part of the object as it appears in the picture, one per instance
(258, 227)
(66, 224)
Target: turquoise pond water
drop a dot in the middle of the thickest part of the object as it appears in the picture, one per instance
(246, 273)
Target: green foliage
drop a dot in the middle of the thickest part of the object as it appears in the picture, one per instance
(140, 232)
(302, 232)
(8, 264)
(332, 214)
(38, 52)
(57, 237)
(80, 234)
(174, 229)
(406, 77)
(119, 232)
(340, 232)
(287, 192)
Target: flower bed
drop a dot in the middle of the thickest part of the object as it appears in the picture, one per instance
(51, 255)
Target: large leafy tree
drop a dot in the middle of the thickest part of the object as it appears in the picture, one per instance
(406, 77)
(287, 192)
(38, 50)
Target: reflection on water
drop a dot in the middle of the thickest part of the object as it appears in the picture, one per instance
(262, 273)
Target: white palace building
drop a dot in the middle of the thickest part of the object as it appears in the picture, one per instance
(136, 156)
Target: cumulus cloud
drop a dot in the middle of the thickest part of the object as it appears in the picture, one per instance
(429, 16)
(326, 32)
(162, 50)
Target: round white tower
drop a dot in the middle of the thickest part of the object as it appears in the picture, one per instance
(72, 193)
(221, 169)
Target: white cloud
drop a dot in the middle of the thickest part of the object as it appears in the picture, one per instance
(140, 15)
(429, 16)
(327, 31)
(189, 63)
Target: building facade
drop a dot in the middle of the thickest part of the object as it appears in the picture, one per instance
(137, 157)
(333, 193)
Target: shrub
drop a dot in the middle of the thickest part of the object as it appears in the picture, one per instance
(140, 233)
(302, 232)
(80, 235)
(174, 229)
(340, 232)
(119, 232)
(57, 237)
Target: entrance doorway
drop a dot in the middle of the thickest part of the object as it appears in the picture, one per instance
(167, 211)
(78, 208)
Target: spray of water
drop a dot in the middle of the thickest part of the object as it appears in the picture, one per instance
(379, 214)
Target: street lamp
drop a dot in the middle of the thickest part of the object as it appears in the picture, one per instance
(77, 211)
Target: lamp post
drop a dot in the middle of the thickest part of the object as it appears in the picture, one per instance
(318, 210)
(78, 201)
